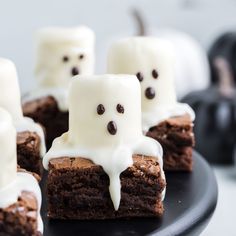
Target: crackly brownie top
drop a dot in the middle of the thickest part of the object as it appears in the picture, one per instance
(146, 164)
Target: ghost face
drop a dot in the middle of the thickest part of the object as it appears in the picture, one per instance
(58, 63)
(109, 110)
(152, 64)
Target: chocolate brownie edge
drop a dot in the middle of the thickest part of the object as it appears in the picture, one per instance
(177, 139)
(20, 218)
(78, 189)
(45, 111)
(28, 151)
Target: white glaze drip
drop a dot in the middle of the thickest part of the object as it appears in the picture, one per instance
(114, 160)
(23, 182)
(159, 114)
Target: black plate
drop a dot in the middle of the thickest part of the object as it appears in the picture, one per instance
(190, 201)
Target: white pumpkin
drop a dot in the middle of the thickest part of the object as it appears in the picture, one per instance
(192, 70)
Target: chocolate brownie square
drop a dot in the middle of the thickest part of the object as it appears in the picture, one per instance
(28, 151)
(78, 189)
(177, 139)
(45, 111)
(21, 218)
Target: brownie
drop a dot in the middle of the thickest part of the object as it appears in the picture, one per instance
(28, 151)
(45, 111)
(20, 218)
(78, 189)
(177, 139)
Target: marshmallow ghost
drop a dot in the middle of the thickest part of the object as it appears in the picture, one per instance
(151, 60)
(62, 53)
(10, 100)
(105, 126)
(12, 183)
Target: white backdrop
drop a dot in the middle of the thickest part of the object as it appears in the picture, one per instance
(204, 19)
(109, 18)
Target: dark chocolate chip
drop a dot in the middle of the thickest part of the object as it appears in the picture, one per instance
(75, 71)
(65, 58)
(81, 56)
(100, 109)
(112, 128)
(150, 93)
(155, 74)
(120, 108)
(139, 76)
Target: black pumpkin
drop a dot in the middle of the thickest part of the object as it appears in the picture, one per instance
(224, 46)
(215, 108)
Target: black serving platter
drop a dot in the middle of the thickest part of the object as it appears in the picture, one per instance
(189, 204)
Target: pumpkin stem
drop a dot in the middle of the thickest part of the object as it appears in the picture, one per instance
(226, 79)
(141, 25)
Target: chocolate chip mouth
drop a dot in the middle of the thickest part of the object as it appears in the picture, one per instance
(150, 93)
(112, 128)
(74, 71)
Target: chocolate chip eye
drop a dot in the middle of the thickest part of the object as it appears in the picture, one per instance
(120, 108)
(100, 109)
(65, 59)
(155, 74)
(139, 76)
(81, 56)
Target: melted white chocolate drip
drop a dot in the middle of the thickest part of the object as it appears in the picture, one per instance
(114, 160)
(88, 136)
(156, 116)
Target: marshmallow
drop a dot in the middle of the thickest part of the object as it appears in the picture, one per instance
(7, 149)
(10, 100)
(9, 89)
(62, 53)
(151, 60)
(105, 126)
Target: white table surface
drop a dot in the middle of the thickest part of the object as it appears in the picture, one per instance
(223, 222)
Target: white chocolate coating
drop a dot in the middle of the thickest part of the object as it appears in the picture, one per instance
(9, 89)
(10, 100)
(88, 135)
(7, 149)
(143, 55)
(53, 71)
(12, 183)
